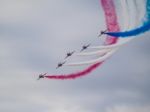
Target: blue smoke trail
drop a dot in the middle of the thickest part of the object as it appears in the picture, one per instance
(145, 27)
(134, 32)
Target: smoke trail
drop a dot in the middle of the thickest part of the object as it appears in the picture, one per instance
(112, 25)
(100, 53)
(145, 27)
(100, 59)
(75, 75)
(104, 55)
(127, 23)
(134, 32)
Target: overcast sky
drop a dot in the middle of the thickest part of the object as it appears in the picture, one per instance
(34, 37)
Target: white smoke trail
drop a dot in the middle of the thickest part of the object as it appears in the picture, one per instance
(137, 9)
(99, 52)
(108, 54)
(121, 41)
(100, 59)
(129, 7)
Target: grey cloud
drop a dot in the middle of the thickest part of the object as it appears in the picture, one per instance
(37, 42)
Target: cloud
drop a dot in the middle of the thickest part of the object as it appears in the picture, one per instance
(35, 35)
(129, 109)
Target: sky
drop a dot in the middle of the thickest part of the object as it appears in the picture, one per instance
(36, 34)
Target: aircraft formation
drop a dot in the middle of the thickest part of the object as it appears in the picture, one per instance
(69, 54)
(84, 47)
(106, 50)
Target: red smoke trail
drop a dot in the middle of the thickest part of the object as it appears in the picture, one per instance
(112, 25)
(75, 75)
(111, 19)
